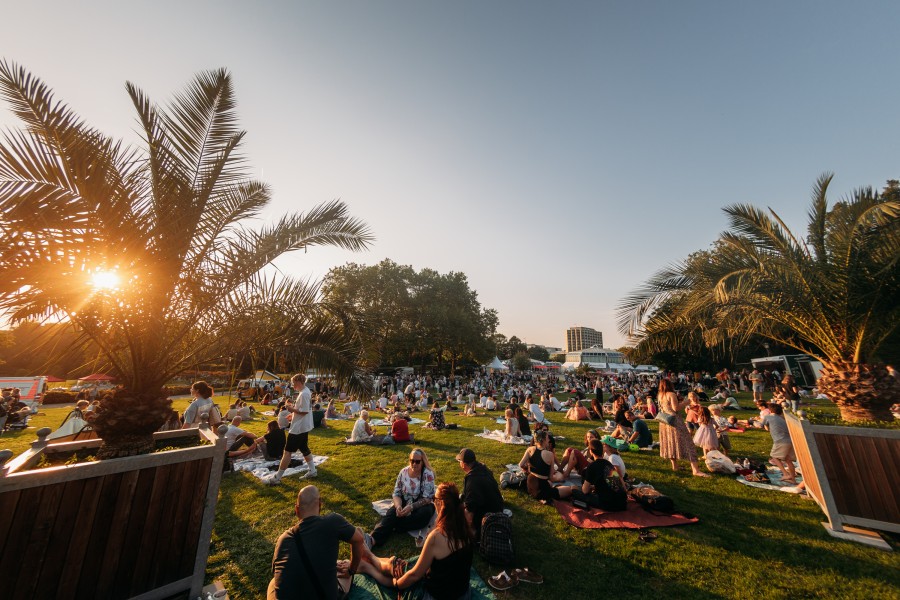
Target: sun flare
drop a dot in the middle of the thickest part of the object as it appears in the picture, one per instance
(105, 280)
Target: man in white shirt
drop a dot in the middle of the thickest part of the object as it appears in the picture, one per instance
(537, 415)
(236, 437)
(298, 434)
(490, 403)
(557, 405)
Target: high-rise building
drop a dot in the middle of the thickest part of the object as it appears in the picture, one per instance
(579, 338)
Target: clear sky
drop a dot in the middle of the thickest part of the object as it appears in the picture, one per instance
(558, 153)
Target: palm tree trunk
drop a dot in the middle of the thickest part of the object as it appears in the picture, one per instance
(863, 392)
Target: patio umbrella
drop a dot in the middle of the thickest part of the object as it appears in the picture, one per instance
(52, 379)
(97, 377)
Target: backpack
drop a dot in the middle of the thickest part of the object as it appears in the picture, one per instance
(215, 416)
(653, 501)
(496, 545)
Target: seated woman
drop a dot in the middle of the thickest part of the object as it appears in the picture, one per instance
(578, 460)
(597, 407)
(362, 431)
(233, 411)
(611, 453)
(524, 426)
(623, 424)
(446, 558)
(578, 413)
(283, 415)
(331, 410)
(412, 498)
(437, 417)
(272, 443)
(540, 463)
(603, 487)
(512, 425)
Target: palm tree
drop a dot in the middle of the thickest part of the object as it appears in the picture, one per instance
(147, 251)
(834, 295)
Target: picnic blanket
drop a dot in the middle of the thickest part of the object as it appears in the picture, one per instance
(264, 470)
(412, 421)
(366, 588)
(500, 436)
(774, 474)
(633, 517)
(574, 479)
(383, 506)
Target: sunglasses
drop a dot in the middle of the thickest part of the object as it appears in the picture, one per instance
(415, 461)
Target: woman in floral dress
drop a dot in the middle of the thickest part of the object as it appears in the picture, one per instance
(675, 442)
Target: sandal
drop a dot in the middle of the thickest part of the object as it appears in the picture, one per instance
(502, 581)
(528, 576)
(647, 535)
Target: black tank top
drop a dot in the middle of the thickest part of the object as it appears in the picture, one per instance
(448, 578)
(537, 464)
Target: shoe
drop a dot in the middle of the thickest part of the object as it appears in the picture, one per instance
(502, 581)
(310, 475)
(527, 576)
(273, 480)
(369, 540)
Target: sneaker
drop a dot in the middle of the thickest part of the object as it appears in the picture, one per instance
(274, 480)
(310, 475)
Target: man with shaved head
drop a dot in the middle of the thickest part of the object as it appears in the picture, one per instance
(305, 560)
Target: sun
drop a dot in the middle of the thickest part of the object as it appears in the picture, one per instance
(105, 280)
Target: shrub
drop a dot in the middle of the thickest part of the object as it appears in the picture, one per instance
(57, 397)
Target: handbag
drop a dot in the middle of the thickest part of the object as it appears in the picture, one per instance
(664, 417)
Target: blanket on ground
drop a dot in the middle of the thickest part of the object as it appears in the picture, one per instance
(264, 470)
(500, 436)
(633, 517)
(366, 588)
(375, 440)
(574, 479)
(774, 474)
(383, 506)
(412, 421)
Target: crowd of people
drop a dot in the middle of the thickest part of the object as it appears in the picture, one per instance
(622, 405)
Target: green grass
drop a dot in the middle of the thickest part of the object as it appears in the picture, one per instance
(749, 542)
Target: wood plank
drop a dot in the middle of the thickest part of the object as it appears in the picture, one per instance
(134, 533)
(18, 536)
(160, 573)
(182, 517)
(118, 525)
(87, 508)
(67, 519)
(8, 502)
(195, 519)
(154, 520)
(100, 532)
(39, 540)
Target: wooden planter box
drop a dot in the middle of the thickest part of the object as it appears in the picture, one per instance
(851, 472)
(136, 527)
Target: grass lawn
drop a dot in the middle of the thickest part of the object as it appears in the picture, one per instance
(749, 542)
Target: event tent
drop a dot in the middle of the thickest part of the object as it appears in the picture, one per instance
(95, 377)
(496, 365)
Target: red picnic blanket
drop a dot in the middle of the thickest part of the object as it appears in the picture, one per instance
(633, 517)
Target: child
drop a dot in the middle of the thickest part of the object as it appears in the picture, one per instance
(611, 453)
(692, 412)
(706, 436)
(721, 425)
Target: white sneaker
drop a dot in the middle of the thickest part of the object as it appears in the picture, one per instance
(310, 475)
(273, 480)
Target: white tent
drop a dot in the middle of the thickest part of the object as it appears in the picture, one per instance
(73, 428)
(496, 365)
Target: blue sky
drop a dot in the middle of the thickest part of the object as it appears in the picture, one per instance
(556, 153)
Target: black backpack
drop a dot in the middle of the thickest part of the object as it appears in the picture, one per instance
(653, 501)
(496, 545)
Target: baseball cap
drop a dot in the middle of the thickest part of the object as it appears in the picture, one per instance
(466, 455)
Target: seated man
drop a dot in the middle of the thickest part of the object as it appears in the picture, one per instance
(490, 403)
(730, 403)
(319, 417)
(640, 433)
(536, 415)
(236, 438)
(603, 486)
(481, 494)
(555, 403)
(313, 541)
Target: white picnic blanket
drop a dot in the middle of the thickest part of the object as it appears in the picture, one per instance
(774, 474)
(259, 468)
(502, 421)
(269, 413)
(500, 436)
(413, 421)
(383, 506)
